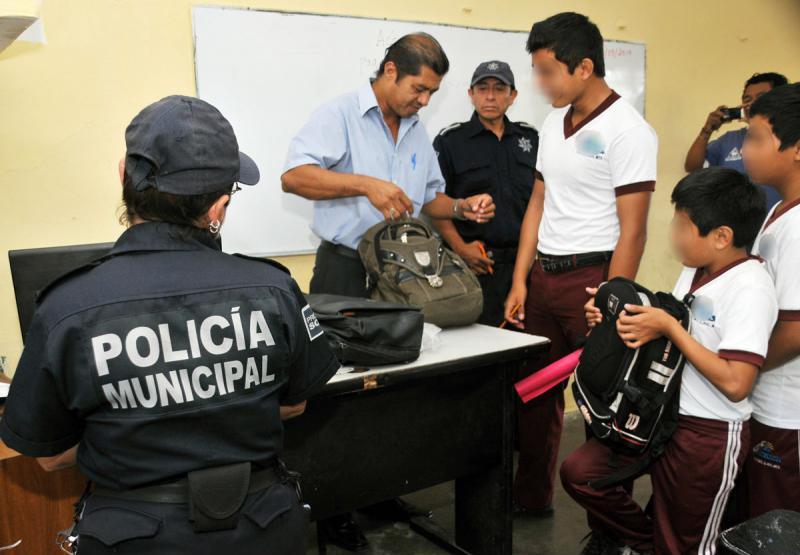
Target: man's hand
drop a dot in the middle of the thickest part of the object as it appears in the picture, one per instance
(473, 256)
(389, 199)
(714, 120)
(638, 325)
(593, 314)
(515, 306)
(478, 208)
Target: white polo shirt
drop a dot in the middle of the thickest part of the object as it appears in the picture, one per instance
(610, 153)
(733, 314)
(776, 397)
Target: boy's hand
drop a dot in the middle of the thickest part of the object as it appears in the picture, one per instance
(638, 325)
(514, 311)
(593, 314)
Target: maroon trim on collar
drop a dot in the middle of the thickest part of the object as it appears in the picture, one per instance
(569, 130)
(780, 211)
(701, 278)
(789, 315)
(742, 356)
(640, 187)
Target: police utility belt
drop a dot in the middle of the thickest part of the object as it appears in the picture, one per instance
(560, 264)
(214, 495)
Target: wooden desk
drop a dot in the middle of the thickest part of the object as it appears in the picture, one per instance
(375, 435)
(35, 504)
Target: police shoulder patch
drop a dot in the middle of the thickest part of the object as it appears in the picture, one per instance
(269, 261)
(449, 128)
(313, 326)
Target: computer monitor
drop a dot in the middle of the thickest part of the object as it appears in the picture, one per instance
(33, 269)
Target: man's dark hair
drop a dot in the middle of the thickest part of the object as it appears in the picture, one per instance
(715, 197)
(153, 205)
(774, 79)
(572, 37)
(781, 106)
(410, 52)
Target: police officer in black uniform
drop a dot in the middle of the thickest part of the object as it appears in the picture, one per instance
(489, 154)
(164, 369)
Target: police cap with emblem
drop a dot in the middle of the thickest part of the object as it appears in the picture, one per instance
(497, 69)
(185, 146)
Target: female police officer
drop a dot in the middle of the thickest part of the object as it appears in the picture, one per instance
(163, 369)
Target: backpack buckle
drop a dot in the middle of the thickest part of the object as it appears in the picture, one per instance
(435, 281)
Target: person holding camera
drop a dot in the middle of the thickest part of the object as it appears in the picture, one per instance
(726, 150)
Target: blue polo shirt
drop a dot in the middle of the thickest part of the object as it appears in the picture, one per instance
(726, 151)
(349, 135)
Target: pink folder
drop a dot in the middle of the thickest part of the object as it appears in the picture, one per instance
(548, 377)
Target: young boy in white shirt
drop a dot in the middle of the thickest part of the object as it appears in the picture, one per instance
(772, 156)
(717, 215)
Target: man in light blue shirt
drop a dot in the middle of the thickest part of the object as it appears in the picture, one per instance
(365, 156)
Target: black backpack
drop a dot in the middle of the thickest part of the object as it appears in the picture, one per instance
(364, 332)
(630, 397)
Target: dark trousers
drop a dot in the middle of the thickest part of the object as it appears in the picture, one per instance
(554, 309)
(271, 521)
(495, 286)
(691, 484)
(338, 271)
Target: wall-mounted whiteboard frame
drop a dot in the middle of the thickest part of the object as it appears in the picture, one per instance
(268, 70)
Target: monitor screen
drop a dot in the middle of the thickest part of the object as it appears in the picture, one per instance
(33, 269)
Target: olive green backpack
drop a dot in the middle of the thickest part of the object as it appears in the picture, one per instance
(407, 263)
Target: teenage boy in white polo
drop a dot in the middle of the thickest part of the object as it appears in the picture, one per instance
(586, 221)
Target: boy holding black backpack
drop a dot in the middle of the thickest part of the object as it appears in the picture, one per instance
(718, 213)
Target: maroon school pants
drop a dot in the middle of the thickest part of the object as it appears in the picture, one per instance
(691, 484)
(553, 309)
(773, 469)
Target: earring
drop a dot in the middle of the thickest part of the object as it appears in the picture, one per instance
(214, 226)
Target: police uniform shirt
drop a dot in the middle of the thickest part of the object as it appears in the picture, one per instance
(168, 357)
(776, 395)
(474, 161)
(733, 313)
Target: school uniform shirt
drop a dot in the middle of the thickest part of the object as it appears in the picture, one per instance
(776, 397)
(733, 313)
(349, 135)
(612, 152)
(168, 356)
(726, 151)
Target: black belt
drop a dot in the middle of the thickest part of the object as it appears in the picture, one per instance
(341, 250)
(178, 492)
(560, 264)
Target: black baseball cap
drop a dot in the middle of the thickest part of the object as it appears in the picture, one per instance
(494, 68)
(185, 146)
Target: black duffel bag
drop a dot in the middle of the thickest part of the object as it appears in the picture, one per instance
(363, 332)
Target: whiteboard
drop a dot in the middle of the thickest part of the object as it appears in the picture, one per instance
(267, 71)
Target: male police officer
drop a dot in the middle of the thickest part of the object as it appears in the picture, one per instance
(489, 154)
(164, 369)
